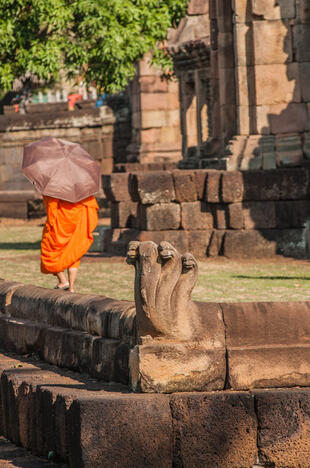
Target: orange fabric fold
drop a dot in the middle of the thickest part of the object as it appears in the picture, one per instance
(67, 234)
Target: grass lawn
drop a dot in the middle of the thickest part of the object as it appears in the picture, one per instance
(219, 279)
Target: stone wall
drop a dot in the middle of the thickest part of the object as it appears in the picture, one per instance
(230, 213)
(259, 93)
(104, 132)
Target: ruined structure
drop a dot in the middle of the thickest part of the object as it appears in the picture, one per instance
(211, 213)
(259, 87)
(156, 133)
(256, 414)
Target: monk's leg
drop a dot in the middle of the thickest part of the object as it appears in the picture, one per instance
(72, 274)
(62, 280)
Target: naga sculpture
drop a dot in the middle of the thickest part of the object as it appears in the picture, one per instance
(164, 282)
(180, 342)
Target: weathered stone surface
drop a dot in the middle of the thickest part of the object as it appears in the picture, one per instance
(302, 37)
(185, 186)
(115, 186)
(232, 187)
(269, 11)
(201, 177)
(169, 367)
(292, 214)
(196, 215)
(153, 187)
(177, 238)
(213, 181)
(124, 214)
(257, 215)
(267, 332)
(289, 151)
(235, 216)
(276, 47)
(283, 421)
(198, 7)
(214, 430)
(287, 118)
(159, 217)
(304, 11)
(215, 247)
(248, 244)
(220, 216)
(16, 210)
(287, 184)
(198, 242)
(119, 426)
(277, 84)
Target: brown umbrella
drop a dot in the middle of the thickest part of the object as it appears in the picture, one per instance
(61, 169)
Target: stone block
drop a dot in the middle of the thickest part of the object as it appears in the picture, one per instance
(292, 214)
(287, 184)
(244, 79)
(283, 421)
(185, 186)
(241, 11)
(302, 37)
(153, 187)
(159, 118)
(124, 214)
(196, 215)
(277, 84)
(198, 7)
(159, 101)
(270, 11)
(177, 238)
(304, 11)
(259, 215)
(288, 118)
(255, 334)
(305, 80)
(153, 84)
(214, 430)
(289, 151)
(228, 117)
(242, 44)
(159, 217)
(198, 242)
(276, 48)
(166, 367)
(226, 50)
(150, 135)
(226, 96)
(215, 247)
(200, 178)
(134, 431)
(235, 216)
(18, 210)
(220, 216)
(232, 187)
(115, 186)
(247, 244)
(212, 192)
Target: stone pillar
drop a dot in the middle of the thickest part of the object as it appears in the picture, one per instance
(156, 135)
(260, 62)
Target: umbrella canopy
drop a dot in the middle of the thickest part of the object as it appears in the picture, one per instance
(61, 169)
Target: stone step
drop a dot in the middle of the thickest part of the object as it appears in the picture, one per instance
(18, 457)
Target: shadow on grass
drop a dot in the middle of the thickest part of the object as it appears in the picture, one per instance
(20, 245)
(273, 277)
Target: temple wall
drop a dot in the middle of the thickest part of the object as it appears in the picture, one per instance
(156, 135)
(211, 213)
(103, 132)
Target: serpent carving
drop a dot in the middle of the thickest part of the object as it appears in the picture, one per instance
(164, 281)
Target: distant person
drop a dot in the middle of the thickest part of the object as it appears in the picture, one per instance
(67, 236)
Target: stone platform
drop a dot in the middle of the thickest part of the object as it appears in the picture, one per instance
(91, 425)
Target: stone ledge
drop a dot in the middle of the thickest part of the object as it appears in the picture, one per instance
(86, 423)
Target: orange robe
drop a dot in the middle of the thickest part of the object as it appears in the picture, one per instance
(67, 233)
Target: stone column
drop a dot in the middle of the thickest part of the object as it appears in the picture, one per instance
(260, 61)
(156, 135)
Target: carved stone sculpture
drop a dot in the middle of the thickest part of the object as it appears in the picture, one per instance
(179, 340)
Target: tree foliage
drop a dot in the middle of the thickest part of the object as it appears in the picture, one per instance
(99, 40)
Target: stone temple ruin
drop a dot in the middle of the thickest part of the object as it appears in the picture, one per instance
(162, 381)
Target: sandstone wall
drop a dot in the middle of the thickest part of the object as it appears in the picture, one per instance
(235, 214)
(104, 132)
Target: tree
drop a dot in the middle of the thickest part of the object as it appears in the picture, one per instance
(98, 40)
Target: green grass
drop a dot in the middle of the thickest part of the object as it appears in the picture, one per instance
(219, 279)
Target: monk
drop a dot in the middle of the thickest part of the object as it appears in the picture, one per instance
(67, 236)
